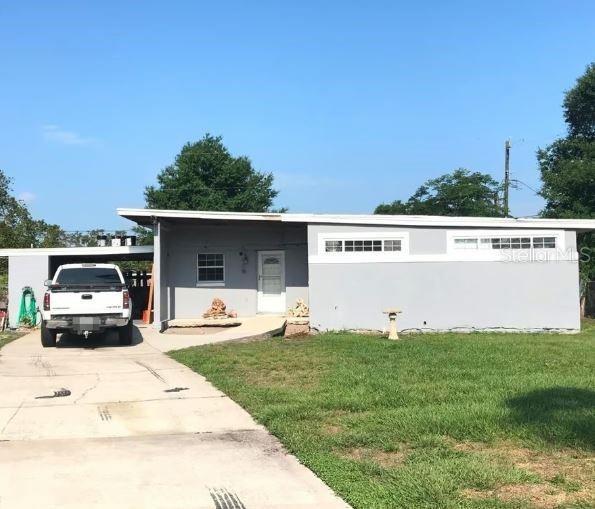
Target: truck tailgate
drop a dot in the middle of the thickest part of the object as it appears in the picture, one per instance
(86, 302)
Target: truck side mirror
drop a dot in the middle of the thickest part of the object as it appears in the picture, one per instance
(47, 282)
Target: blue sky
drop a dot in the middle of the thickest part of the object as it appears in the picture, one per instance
(349, 104)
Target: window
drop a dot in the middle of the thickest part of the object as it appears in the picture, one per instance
(92, 276)
(466, 243)
(392, 245)
(544, 242)
(505, 243)
(211, 268)
(363, 245)
(333, 246)
(511, 243)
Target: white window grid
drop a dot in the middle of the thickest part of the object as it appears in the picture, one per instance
(210, 264)
(506, 242)
(362, 245)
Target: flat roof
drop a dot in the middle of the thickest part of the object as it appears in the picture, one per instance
(78, 251)
(147, 216)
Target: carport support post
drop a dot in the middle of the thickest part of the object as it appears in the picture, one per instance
(156, 275)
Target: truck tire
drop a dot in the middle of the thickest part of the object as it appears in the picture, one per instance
(125, 334)
(48, 336)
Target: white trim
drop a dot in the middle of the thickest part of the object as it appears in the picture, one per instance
(74, 251)
(363, 235)
(463, 255)
(483, 234)
(369, 219)
(209, 284)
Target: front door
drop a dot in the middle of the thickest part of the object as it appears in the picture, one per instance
(271, 281)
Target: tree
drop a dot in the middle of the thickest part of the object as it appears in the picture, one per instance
(579, 106)
(17, 228)
(567, 167)
(460, 193)
(205, 176)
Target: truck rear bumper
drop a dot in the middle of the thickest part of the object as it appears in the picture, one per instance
(81, 324)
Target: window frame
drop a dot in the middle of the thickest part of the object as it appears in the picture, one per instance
(367, 238)
(212, 283)
(486, 238)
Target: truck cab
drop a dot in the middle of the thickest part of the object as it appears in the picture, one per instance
(85, 298)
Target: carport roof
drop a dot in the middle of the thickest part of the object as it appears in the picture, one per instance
(147, 217)
(117, 251)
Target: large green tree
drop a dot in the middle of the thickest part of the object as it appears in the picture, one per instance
(460, 193)
(17, 226)
(567, 167)
(205, 176)
(18, 229)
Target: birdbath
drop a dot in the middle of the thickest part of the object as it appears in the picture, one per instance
(392, 316)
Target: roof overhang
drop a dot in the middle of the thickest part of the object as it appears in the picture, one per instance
(80, 251)
(147, 217)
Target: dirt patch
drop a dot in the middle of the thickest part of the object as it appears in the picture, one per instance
(384, 459)
(567, 475)
(192, 331)
(330, 424)
(542, 496)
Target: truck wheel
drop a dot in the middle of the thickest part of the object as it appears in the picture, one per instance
(48, 336)
(125, 334)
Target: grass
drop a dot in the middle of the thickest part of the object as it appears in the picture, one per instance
(432, 421)
(8, 336)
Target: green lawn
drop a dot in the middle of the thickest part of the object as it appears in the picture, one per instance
(440, 421)
(8, 336)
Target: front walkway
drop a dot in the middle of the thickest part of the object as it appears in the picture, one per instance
(134, 429)
(251, 327)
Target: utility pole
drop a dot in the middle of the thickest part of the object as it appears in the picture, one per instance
(506, 177)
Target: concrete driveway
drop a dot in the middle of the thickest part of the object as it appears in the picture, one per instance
(137, 430)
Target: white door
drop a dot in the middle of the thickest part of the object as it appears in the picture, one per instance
(271, 281)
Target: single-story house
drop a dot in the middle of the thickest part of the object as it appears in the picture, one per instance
(444, 273)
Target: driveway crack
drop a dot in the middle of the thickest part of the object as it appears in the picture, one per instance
(87, 391)
(16, 411)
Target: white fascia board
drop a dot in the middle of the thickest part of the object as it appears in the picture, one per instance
(197, 214)
(74, 251)
(365, 219)
(443, 221)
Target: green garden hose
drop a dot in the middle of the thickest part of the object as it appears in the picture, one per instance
(28, 308)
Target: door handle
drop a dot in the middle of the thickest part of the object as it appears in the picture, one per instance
(86, 296)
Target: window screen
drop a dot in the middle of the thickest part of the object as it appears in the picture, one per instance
(211, 268)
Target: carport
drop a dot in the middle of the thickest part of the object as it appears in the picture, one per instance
(31, 267)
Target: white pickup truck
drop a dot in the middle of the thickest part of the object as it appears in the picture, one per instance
(84, 298)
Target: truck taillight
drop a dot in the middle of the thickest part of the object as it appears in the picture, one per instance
(125, 300)
(46, 301)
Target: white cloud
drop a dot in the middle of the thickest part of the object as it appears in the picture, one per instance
(27, 196)
(55, 133)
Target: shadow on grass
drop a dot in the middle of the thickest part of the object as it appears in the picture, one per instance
(562, 416)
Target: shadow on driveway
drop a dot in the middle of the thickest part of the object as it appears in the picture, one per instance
(105, 339)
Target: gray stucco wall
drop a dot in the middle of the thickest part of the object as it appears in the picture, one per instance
(181, 298)
(442, 295)
(25, 271)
